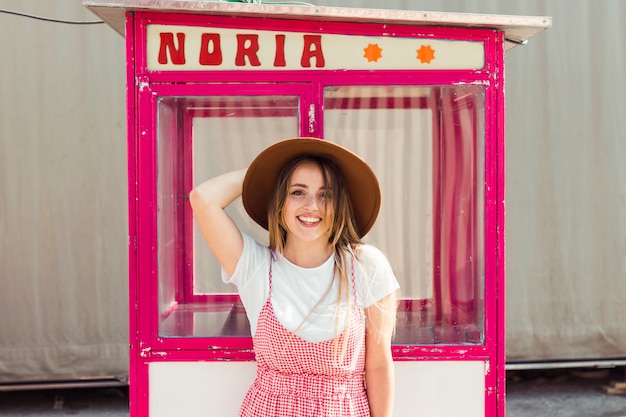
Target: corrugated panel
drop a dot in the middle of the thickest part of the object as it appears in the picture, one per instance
(566, 193)
(566, 182)
(63, 264)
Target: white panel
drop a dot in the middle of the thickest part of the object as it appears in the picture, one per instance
(332, 52)
(440, 389)
(197, 389)
(433, 389)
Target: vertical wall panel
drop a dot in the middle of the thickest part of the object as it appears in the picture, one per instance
(63, 262)
(566, 181)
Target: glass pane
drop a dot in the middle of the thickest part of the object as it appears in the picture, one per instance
(199, 138)
(425, 144)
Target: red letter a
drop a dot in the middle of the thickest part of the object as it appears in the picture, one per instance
(307, 53)
(167, 44)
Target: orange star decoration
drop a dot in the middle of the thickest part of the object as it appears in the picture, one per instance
(372, 52)
(425, 54)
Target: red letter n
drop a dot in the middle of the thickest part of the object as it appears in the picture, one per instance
(250, 50)
(308, 52)
(167, 44)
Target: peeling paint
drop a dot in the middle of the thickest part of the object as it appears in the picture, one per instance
(143, 85)
(476, 82)
(144, 353)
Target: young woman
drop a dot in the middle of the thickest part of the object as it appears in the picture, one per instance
(321, 303)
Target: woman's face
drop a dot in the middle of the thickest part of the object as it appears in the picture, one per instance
(309, 210)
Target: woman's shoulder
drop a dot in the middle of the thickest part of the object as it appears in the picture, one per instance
(370, 254)
(375, 276)
(373, 261)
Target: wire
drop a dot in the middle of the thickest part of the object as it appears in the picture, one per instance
(48, 19)
(516, 42)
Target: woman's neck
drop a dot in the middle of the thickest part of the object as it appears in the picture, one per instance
(307, 254)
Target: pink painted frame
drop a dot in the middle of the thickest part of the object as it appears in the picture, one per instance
(145, 345)
(285, 25)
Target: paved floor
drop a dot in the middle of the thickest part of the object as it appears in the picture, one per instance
(564, 393)
(87, 402)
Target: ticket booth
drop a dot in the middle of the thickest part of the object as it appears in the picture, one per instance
(419, 95)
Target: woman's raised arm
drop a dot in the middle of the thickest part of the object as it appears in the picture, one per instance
(208, 201)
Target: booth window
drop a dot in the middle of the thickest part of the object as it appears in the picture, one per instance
(425, 144)
(199, 138)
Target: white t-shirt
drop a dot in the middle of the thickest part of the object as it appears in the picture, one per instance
(296, 290)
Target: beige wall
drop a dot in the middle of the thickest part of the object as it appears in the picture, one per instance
(63, 219)
(566, 180)
(63, 227)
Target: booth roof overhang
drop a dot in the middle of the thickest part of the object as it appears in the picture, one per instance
(517, 29)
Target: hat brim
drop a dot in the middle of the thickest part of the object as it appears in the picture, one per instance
(360, 180)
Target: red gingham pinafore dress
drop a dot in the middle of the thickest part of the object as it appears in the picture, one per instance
(297, 378)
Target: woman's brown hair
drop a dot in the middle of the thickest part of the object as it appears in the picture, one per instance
(344, 235)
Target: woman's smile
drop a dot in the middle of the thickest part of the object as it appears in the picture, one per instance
(308, 209)
(309, 221)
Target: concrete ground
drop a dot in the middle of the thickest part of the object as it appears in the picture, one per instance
(92, 402)
(565, 393)
(560, 393)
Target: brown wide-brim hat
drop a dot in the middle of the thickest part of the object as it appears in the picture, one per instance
(359, 179)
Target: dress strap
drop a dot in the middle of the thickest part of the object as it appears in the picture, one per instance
(353, 278)
(270, 272)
